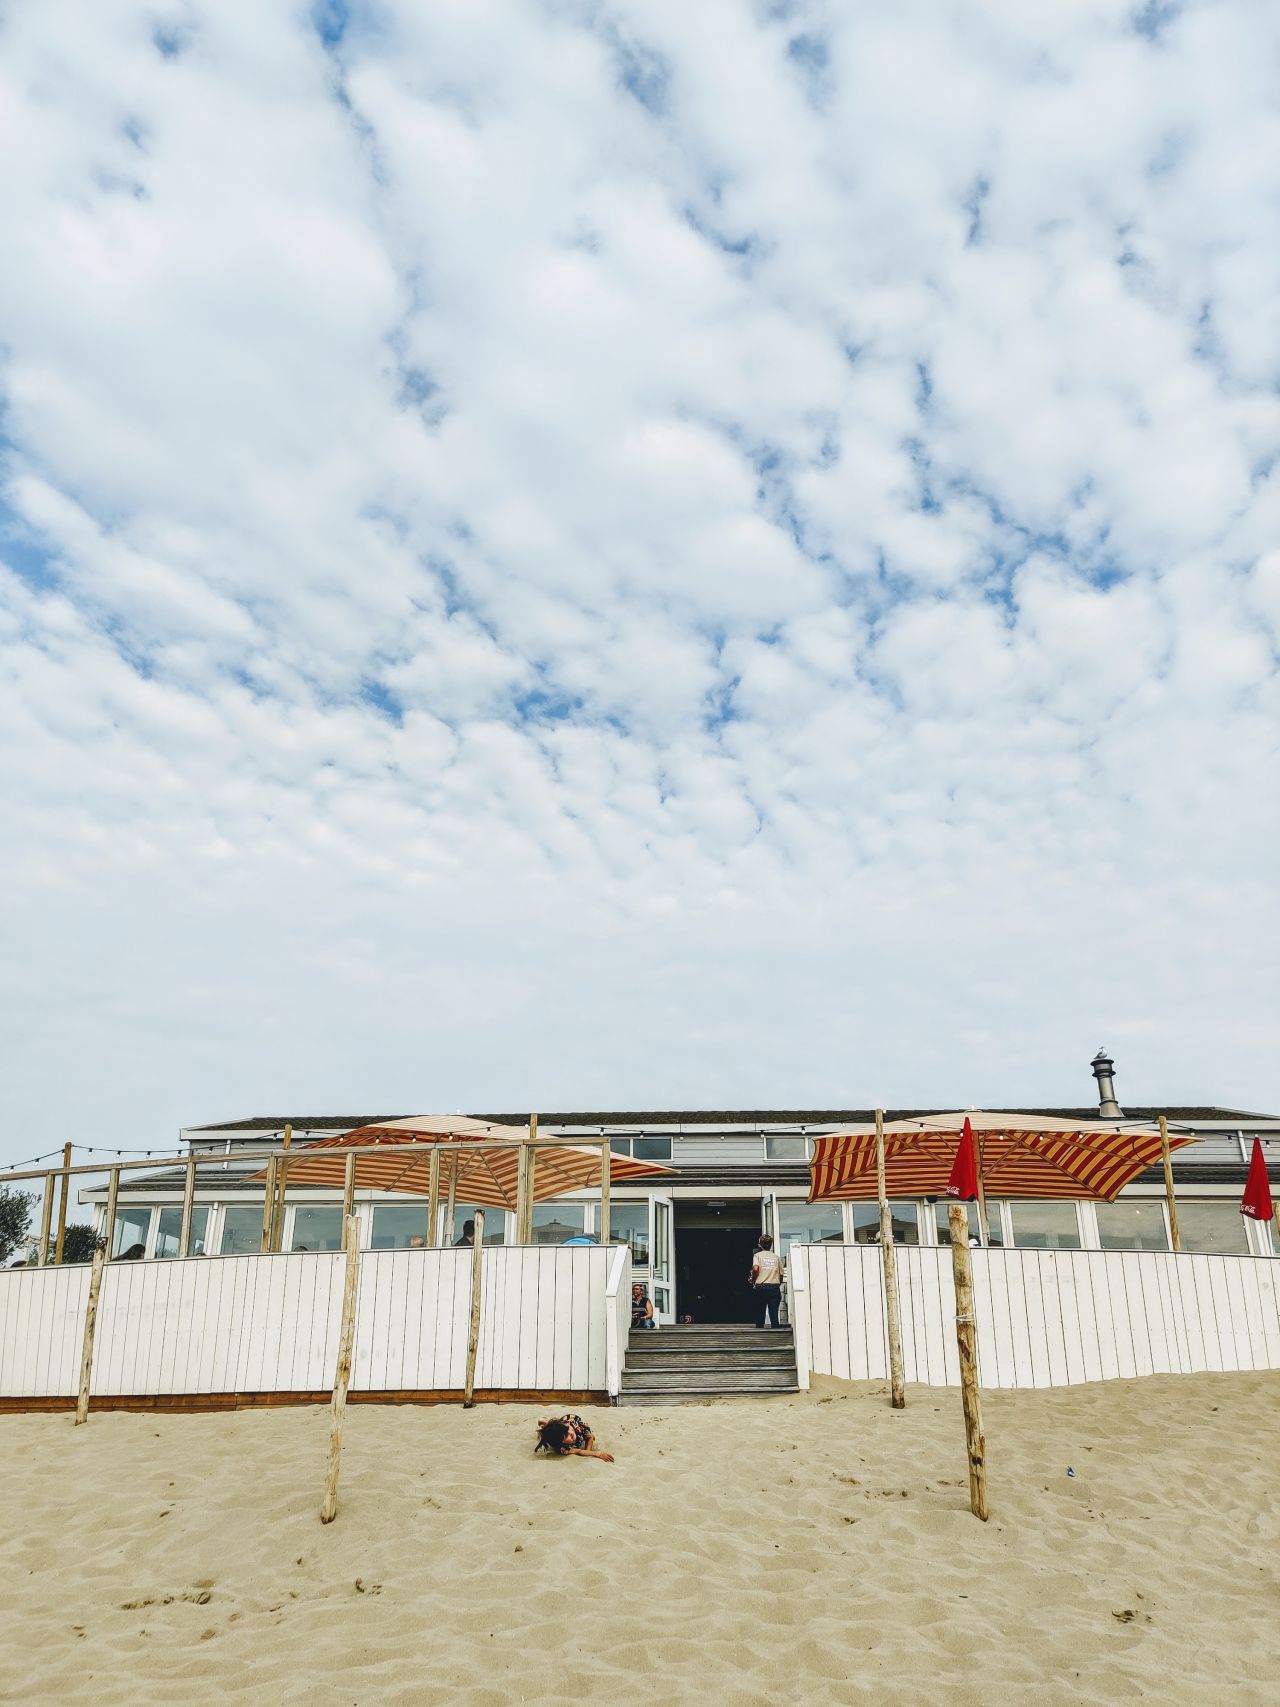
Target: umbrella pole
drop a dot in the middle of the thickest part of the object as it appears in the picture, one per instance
(1174, 1235)
(967, 1341)
(433, 1197)
(893, 1317)
(342, 1375)
(606, 1180)
(473, 1325)
(524, 1186)
(277, 1214)
(984, 1226)
(348, 1196)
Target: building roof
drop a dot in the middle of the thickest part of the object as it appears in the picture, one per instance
(699, 1117)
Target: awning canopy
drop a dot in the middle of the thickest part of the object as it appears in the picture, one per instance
(1020, 1155)
(483, 1173)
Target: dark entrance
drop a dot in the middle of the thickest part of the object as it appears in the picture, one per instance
(714, 1244)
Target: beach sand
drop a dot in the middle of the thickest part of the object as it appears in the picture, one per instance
(810, 1548)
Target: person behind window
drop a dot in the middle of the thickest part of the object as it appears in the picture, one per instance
(766, 1278)
(468, 1235)
(417, 1242)
(641, 1308)
(133, 1254)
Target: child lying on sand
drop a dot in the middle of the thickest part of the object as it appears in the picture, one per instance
(569, 1437)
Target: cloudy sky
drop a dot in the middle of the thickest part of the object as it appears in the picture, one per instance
(635, 554)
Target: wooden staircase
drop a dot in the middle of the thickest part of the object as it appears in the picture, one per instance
(675, 1365)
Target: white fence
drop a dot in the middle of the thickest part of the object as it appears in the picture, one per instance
(269, 1324)
(1044, 1318)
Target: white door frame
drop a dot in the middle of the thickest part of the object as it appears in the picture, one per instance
(662, 1274)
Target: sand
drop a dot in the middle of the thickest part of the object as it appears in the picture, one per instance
(808, 1548)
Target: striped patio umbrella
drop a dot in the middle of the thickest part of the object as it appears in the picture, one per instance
(1021, 1155)
(485, 1176)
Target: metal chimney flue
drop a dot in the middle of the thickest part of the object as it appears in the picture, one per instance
(1104, 1071)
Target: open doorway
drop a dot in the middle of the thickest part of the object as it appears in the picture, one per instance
(714, 1243)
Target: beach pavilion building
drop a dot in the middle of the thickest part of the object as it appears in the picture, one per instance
(691, 1231)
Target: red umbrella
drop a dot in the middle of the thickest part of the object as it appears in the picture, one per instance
(963, 1184)
(1256, 1202)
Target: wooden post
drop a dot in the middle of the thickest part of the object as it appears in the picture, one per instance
(433, 1197)
(473, 1328)
(531, 1178)
(984, 1226)
(451, 1203)
(277, 1217)
(1174, 1235)
(342, 1375)
(967, 1341)
(268, 1205)
(188, 1201)
(90, 1322)
(893, 1317)
(524, 1187)
(46, 1217)
(62, 1200)
(113, 1192)
(606, 1183)
(348, 1196)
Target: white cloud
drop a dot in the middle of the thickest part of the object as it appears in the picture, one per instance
(632, 553)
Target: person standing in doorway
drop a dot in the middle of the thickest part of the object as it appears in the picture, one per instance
(766, 1278)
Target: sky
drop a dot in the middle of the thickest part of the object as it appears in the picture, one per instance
(635, 555)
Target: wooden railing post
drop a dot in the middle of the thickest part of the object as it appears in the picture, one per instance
(967, 1341)
(113, 1193)
(62, 1200)
(433, 1197)
(606, 1181)
(90, 1323)
(277, 1218)
(1175, 1237)
(342, 1375)
(188, 1203)
(46, 1219)
(348, 1196)
(473, 1325)
(893, 1316)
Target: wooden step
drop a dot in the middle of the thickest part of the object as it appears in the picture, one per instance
(709, 1380)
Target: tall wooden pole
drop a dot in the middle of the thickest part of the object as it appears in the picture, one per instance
(348, 1197)
(188, 1203)
(342, 1375)
(268, 1205)
(113, 1192)
(967, 1341)
(984, 1226)
(433, 1198)
(1174, 1235)
(62, 1201)
(46, 1217)
(90, 1323)
(473, 1325)
(606, 1182)
(277, 1217)
(531, 1185)
(524, 1186)
(893, 1317)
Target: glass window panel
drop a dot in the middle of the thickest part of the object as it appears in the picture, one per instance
(1216, 1227)
(169, 1231)
(903, 1220)
(241, 1230)
(553, 1223)
(942, 1213)
(1132, 1226)
(808, 1224)
(652, 1149)
(131, 1229)
(399, 1226)
(318, 1229)
(786, 1149)
(620, 1146)
(1046, 1226)
(629, 1225)
(495, 1223)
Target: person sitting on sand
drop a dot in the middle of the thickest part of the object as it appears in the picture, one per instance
(641, 1308)
(569, 1437)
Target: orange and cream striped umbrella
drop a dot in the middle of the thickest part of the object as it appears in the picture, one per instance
(485, 1174)
(1022, 1155)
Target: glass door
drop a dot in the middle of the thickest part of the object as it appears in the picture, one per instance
(661, 1289)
